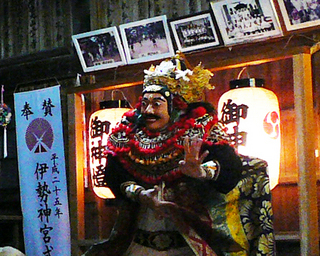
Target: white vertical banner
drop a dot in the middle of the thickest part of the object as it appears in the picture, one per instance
(42, 172)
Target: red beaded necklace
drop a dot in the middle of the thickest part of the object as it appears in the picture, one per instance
(154, 156)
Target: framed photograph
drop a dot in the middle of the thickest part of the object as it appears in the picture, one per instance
(299, 14)
(146, 40)
(194, 32)
(242, 21)
(99, 49)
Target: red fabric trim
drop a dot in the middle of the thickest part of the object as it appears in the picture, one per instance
(180, 127)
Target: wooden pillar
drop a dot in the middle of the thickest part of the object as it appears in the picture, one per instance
(76, 169)
(304, 110)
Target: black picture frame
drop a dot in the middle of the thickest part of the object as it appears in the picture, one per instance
(195, 32)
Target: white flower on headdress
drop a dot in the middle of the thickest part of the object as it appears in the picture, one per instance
(189, 84)
(153, 88)
(183, 74)
(165, 68)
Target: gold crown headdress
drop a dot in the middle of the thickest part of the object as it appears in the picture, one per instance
(189, 84)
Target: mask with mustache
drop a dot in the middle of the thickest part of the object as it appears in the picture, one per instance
(151, 116)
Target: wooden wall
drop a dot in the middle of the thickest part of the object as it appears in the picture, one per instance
(107, 13)
(31, 26)
(28, 27)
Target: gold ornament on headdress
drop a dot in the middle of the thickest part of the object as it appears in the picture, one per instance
(189, 84)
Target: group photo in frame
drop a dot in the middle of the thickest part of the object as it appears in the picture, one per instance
(146, 40)
(246, 20)
(99, 49)
(194, 32)
(299, 14)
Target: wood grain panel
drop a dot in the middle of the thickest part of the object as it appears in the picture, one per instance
(285, 203)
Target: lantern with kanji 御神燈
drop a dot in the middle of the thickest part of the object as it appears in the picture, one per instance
(100, 125)
(252, 118)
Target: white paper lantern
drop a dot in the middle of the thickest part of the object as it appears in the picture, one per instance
(100, 125)
(251, 115)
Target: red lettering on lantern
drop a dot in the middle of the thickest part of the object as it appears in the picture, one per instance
(271, 124)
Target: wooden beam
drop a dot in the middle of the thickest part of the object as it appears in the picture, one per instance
(303, 99)
(290, 236)
(214, 59)
(257, 54)
(10, 218)
(103, 87)
(315, 48)
(76, 169)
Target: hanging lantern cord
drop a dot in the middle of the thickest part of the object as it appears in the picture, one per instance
(242, 70)
(117, 90)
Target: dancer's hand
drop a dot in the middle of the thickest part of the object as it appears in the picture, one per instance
(191, 165)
